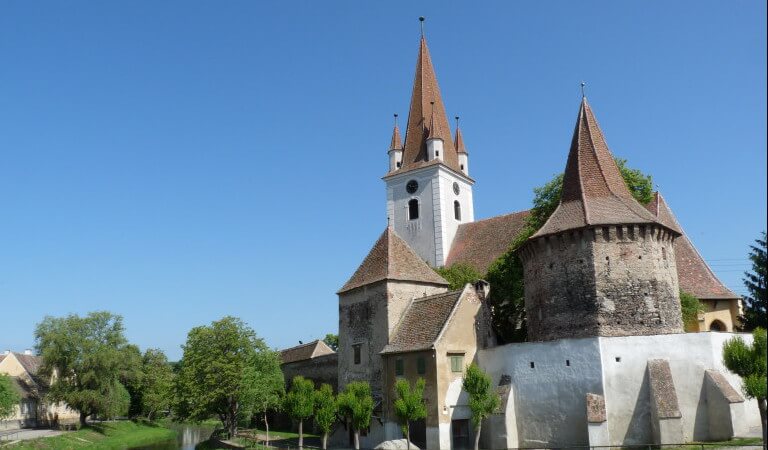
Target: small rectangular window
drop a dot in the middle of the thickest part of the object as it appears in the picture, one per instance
(399, 367)
(356, 352)
(421, 365)
(457, 363)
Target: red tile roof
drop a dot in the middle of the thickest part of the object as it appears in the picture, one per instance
(426, 91)
(479, 244)
(396, 143)
(460, 148)
(693, 273)
(305, 351)
(392, 259)
(594, 192)
(422, 322)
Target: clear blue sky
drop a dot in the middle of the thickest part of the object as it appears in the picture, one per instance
(178, 161)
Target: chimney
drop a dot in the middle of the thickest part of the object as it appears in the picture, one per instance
(28, 351)
(482, 288)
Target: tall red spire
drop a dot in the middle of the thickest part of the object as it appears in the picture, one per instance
(420, 114)
(594, 192)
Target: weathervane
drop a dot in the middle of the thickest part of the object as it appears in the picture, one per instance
(583, 83)
(457, 122)
(395, 119)
(421, 23)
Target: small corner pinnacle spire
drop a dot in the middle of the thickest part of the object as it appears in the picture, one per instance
(421, 25)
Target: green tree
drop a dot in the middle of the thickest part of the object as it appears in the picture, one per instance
(755, 303)
(458, 275)
(409, 405)
(87, 355)
(269, 388)
(325, 411)
(507, 297)
(483, 400)
(356, 406)
(9, 398)
(749, 362)
(505, 275)
(299, 402)
(157, 385)
(131, 376)
(690, 307)
(332, 340)
(215, 376)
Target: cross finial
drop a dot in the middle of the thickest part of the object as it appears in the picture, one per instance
(421, 24)
(395, 119)
(583, 94)
(457, 122)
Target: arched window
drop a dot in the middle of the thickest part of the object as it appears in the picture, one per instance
(457, 210)
(413, 209)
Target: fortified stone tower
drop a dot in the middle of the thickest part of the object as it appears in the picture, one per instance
(372, 302)
(602, 265)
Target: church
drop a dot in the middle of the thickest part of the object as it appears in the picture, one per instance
(608, 361)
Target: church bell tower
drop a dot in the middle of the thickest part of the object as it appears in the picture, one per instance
(429, 191)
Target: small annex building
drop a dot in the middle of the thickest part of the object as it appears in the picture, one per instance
(31, 385)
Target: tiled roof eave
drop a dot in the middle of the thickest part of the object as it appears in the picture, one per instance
(424, 165)
(538, 234)
(350, 288)
(395, 351)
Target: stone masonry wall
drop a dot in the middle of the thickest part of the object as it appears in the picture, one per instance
(367, 317)
(560, 286)
(605, 281)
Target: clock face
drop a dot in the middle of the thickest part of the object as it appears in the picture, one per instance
(456, 188)
(412, 186)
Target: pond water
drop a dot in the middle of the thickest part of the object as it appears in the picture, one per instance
(187, 437)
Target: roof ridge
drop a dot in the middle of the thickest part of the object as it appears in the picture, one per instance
(433, 296)
(583, 111)
(300, 345)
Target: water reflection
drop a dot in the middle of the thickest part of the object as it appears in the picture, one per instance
(187, 437)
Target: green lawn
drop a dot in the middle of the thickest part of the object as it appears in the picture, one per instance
(277, 439)
(108, 436)
(719, 445)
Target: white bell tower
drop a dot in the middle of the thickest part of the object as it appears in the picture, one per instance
(429, 191)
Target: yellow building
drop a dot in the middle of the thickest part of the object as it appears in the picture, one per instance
(33, 410)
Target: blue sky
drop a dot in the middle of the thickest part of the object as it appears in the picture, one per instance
(175, 162)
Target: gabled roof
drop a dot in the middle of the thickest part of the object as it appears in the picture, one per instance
(479, 244)
(594, 192)
(396, 143)
(305, 351)
(425, 91)
(392, 259)
(422, 322)
(693, 273)
(31, 363)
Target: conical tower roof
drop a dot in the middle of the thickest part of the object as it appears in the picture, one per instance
(460, 148)
(396, 143)
(425, 119)
(594, 192)
(392, 259)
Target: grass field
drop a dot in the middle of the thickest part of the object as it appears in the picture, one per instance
(107, 436)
